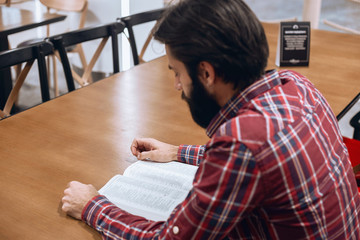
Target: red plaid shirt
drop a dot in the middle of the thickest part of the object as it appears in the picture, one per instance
(274, 168)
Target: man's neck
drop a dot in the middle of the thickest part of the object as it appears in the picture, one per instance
(223, 92)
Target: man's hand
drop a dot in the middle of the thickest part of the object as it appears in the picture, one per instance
(154, 150)
(76, 196)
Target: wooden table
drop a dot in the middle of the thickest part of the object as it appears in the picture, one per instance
(85, 135)
(14, 20)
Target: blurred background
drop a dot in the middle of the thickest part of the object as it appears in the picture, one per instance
(342, 12)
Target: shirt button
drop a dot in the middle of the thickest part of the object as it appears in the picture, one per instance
(175, 230)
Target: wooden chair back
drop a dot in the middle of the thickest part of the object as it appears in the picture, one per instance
(270, 21)
(343, 28)
(65, 5)
(6, 2)
(104, 32)
(26, 55)
(136, 19)
(79, 6)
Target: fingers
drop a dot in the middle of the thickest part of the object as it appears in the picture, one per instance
(67, 196)
(134, 147)
(66, 206)
(148, 155)
(140, 145)
(153, 150)
(76, 196)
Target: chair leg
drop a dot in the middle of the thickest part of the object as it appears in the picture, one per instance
(48, 71)
(17, 74)
(55, 76)
(61, 55)
(87, 73)
(81, 53)
(15, 91)
(43, 76)
(146, 44)
(48, 68)
(115, 52)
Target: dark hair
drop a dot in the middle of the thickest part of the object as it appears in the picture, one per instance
(225, 33)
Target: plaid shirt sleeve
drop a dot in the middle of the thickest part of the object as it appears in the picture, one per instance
(191, 154)
(211, 209)
(115, 223)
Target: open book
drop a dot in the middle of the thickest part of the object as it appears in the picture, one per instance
(149, 189)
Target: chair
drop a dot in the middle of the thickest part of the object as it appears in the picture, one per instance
(294, 19)
(351, 116)
(79, 6)
(10, 2)
(26, 55)
(136, 19)
(169, 2)
(340, 27)
(6, 2)
(62, 41)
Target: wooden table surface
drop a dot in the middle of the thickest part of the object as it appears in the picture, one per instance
(85, 135)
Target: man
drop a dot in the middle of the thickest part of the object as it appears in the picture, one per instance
(275, 166)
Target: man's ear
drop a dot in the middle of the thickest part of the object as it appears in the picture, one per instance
(206, 73)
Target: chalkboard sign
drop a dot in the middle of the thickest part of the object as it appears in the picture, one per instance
(293, 44)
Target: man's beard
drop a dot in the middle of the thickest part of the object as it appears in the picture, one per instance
(203, 107)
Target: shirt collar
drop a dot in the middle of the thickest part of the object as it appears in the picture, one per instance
(230, 109)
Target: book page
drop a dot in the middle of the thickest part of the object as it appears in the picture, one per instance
(172, 174)
(151, 190)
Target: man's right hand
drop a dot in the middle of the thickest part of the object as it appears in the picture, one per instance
(153, 150)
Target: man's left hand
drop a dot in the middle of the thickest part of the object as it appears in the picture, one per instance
(76, 196)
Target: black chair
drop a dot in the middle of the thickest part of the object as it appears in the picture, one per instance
(355, 118)
(26, 55)
(136, 19)
(355, 123)
(79, 7)
(62, 41)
